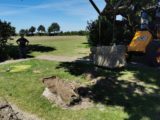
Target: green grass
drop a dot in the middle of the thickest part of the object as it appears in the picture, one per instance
(58, 45)
(25, 88)
(132, 93)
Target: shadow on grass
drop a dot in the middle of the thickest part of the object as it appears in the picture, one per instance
(132, 96)
(13, 51)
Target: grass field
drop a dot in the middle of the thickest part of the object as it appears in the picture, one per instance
(61, 46)
(132, 93)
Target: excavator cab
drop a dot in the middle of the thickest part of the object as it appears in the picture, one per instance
(147, 42)
(143, 37)
(140, 42)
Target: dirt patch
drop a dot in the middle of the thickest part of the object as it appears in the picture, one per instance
(12, 112)
(66, 91)
(66, 95)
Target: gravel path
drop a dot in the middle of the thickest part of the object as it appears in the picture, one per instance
(49, 58)
(59, 58)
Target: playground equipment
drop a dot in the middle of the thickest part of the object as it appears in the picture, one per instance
(146, 41)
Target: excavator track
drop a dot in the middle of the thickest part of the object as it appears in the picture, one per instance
(153, 53)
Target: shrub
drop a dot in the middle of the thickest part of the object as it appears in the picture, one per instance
(6, 31)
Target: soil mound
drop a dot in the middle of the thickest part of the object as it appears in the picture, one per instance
(65, 94)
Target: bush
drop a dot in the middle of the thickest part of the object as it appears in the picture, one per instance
(101, 32)
(6, 31)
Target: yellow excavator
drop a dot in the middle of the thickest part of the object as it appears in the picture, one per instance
(146, 40)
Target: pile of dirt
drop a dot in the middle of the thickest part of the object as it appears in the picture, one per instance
(66, 94)
(12, 112)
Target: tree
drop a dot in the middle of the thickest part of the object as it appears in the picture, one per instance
(6, 31)
(22, 32)
(26, 32)
(32, 30)
(99, 35)
(41, 29)
(53, 28)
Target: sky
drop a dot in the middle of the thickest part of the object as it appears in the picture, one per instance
(69, 14)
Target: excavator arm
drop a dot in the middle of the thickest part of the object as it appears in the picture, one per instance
(95, 7)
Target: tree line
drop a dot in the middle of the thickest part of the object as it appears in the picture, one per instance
(52, 30)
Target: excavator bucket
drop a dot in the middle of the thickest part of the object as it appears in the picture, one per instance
(140, 42)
